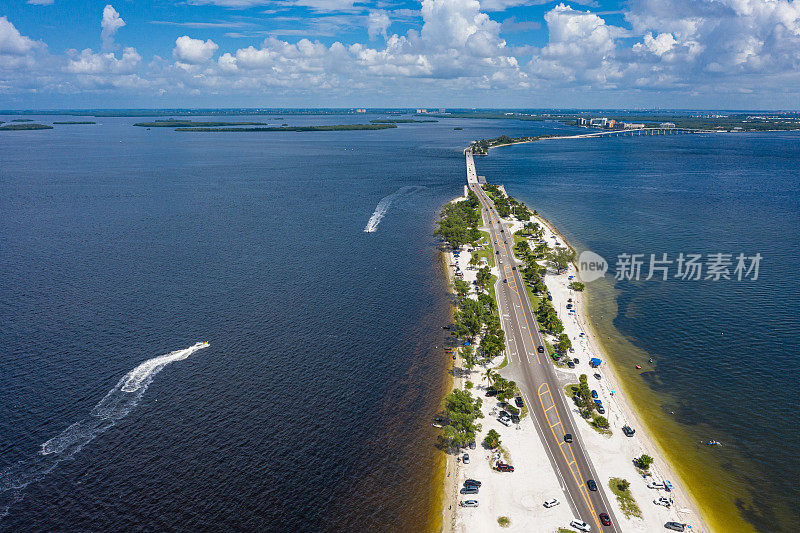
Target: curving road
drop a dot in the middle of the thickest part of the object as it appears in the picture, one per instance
(536, 376)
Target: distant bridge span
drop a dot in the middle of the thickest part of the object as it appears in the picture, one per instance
(633, 133)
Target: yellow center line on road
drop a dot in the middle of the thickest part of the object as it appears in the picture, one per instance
(579, 478)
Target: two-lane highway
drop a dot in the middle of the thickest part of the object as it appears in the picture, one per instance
(536, 376)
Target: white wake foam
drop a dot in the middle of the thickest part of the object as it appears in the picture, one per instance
(383, 207)
(114, 406)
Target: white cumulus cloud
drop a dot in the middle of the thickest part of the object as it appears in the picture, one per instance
(377, 24)
(193, 51)
(110, 23)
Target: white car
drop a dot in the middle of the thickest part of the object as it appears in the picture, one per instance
(469, 503)
(551, 503)
(505, 421)
(580, 525)
(655, 485)
(662, 501)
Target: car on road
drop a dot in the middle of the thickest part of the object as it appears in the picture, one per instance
(591, 484)
(552, 502)
(540, 349)
(675, 526)
(469, 490)
(518, 400)
(628, 431)
(503, 467)
(505, 280)
(594, 394)
(469, 503)
(472, 483)
(655, 485)
(605, 519)
(465, 458)
(567, 437)
(580, 525)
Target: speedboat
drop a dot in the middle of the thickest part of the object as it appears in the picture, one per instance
(638, 367)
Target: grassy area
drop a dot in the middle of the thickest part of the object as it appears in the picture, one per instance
(503, 364)
(565, 530)
(624, 497)
(503, 521)
(486, 251)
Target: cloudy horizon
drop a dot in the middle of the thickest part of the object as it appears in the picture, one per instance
(716, 54)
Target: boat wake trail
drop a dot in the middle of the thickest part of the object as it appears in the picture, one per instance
(116, 405)
(383, 207)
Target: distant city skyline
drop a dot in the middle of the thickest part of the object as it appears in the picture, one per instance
(670, 54)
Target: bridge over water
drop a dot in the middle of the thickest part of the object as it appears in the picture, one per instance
(634, 133)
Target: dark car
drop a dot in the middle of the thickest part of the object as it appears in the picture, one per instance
(575, 360)
(513, 268)
(570, 364)
(540, 349)
(472, 483)
(601, 409)
(594, 394)
(591, 484)
(597, 376)
(629, 431)
(605, 519)
(502, 467)
(497, 252)
(569, 306)
(567, 437)
(505, 280)
(504, 414)
(518, 400)
(675, 526)
(491, 392)
(469, 490)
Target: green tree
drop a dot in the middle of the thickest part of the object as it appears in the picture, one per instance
(461, 287)
(470, 359)
(492, 439)
(643, 461)
(601, 422)
(462, 410)
(484, 277)
(560, 258)
(623, 485)
(577, 286)
(564, 343)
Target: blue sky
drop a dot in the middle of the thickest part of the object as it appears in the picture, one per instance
(492, 53)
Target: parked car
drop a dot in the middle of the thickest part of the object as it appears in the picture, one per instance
(472, 483)
(503, 467)
(675, 526)
(518, 400)
(605, 519)
(662, 501)
(570, 364)
(504, 414)
(469, 490)
(601, 409)
(469, 503)
(552, 502)
(491, 392)
(655, 485)
(540, 349)
(628, 431)
(591, 484)
(597, 376)
(567, 437)
(505, 421)
(594, 394)
(580, 525)
(465, 458)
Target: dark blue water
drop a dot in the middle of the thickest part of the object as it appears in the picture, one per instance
(726, 352)
(311, 408)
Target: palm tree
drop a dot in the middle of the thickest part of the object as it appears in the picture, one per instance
(490, 375)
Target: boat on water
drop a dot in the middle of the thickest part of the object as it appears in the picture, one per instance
(638, 367)
(713, 443)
